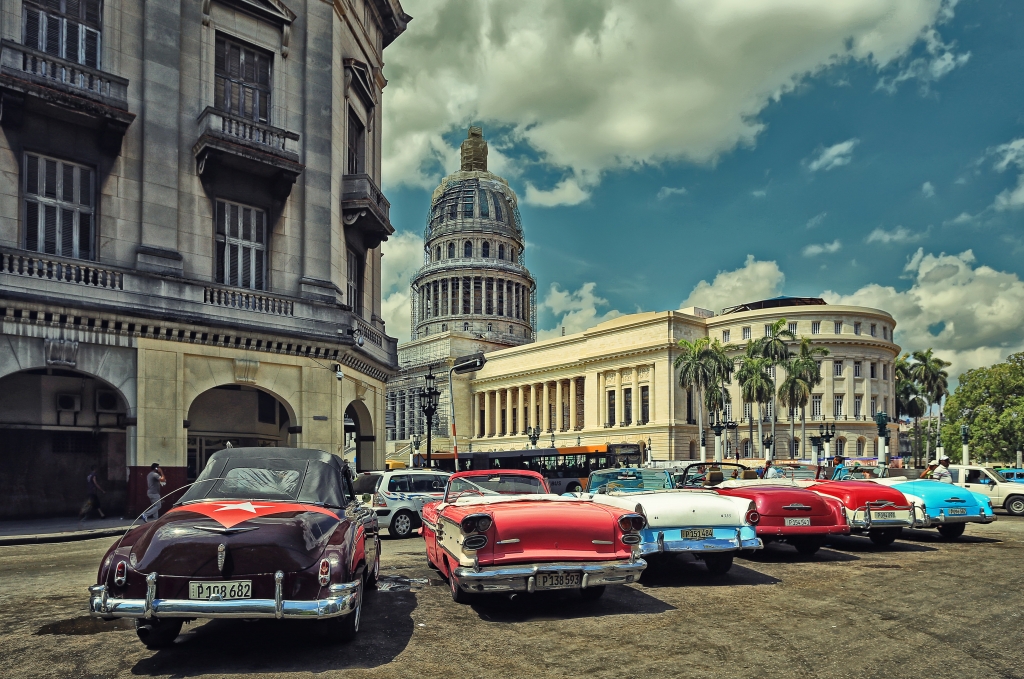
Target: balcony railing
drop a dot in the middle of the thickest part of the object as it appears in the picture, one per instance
(67, 271)
(237, 128)
(51, 70)
(360, 187)
(371, 335)
(234, 298)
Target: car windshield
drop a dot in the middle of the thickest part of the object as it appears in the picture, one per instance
(495, 484)
(366, 483)
(253, 479)
(628, 479)
(866, 472)
(713, 473)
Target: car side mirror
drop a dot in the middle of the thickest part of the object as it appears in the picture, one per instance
(367, 498)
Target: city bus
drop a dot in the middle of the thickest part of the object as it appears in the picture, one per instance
(566, 469)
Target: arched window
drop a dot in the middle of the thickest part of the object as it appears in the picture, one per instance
(482, 198)
(511, 330)
(488, 327)
(511, 254)
(437, 253)
(465, 327)
(444, 327)
(486, 249)
(501, 251)
(497, 207)
(426, 331)
(451, 250)
(467, 249)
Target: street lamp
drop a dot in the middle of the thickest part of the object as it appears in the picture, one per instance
(552, 439)
(882, 419)
(768, 442)
(428, 404)
(650, 458)
(816, 450)
(734, 426)
(827, 435)
(416, 448)
(533, 433)
(965, 433)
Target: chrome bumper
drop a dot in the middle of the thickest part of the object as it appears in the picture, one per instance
(523, 577)
(663, 546)
(341, 600)
(867, 522)
(924, 520)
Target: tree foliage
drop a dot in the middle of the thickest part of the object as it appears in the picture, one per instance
(990, 401)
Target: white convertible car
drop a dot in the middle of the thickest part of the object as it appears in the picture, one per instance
(711, 527)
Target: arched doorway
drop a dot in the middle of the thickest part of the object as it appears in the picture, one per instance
(241, 415)
(56, 424)
(359, 445)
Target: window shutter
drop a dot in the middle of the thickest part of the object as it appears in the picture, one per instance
(67, 233)
(67, 192)
(85, 235)
(50, 187)
(85, 186)
(31, 226)
(50, 229)
(71, 40)
(31, 28)
(233, 265)
(259, 271)
(92, 12)
(92, 48)
(32, 170)
(52, 35)
(73, 8)
(246, 267)
(219, 273)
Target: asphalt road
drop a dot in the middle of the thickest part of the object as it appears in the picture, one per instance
(924, 608)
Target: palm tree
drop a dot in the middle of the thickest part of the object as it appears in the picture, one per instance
(755, 381)
(714, 400)
(805, 364)
(702, 365)
(773, 347)
(929, 371)
(794, 392)
(909, 403)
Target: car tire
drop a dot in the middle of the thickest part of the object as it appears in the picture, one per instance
(158, 632)
(592, 593)
(808, 546)
(574, 488)
(458, 596)
(718, 564)
(1014, 505)
(373, 574)
(952, 531)
(884, 537)
(348, 626)
(402, 525)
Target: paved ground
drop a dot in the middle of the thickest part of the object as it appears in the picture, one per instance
(924, 608)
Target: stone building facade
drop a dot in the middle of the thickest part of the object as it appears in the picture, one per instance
(473, 293)
(615, 383)
(190, 229)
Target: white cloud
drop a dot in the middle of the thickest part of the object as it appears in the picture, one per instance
(928, 189)
(566, 192)
(1011, 199)
(666, 191)
(969, 314)
(900, 234)
(815, 249)
(941, 60)
(753, 281)
(816, 220)
(616, 84)
(1012, 153)
(402, 258)
(836, 155)
(759, 193)
(577, 310)
(962, 218)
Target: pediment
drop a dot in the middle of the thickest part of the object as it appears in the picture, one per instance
(271, 10)
(359, 77)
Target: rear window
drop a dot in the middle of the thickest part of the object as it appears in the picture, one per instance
(428, 483)
(268, 479)
(366, 483)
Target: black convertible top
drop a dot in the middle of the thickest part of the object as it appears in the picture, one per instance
(320, 475)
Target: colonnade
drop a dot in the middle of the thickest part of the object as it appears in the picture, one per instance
(555, 405)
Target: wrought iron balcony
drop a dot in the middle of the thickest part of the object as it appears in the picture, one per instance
(49, 85)
(366, 210)
(230, 141)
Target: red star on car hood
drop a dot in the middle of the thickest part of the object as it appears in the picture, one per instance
(229, 513)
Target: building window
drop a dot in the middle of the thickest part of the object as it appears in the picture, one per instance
(486, 250)
(726, 411)
(746, 448)
(468, 198)
(58, 207)
(511, 330)
(437, 253)
(611, 408)
(451, 250)
(885, 404)
(856, 368)
(355, 282)
(874, 407)
(856, 328)
(467, 249)
(771, 371)
(627, 407)
(885, 332)
(874, 332)
(858, 406)
(746, 410)
(837, 406)
(511, 254)
(497, 207)
(885, 371)
(481, 197)
(501, 251)
(815, 327)
(241, 246)
(837, 368)
(792, 328)
(874, 372)
(465, 327)
(242, 85)
(841, 447)
(645, 404)
(816, 407)
(746, 333)
(444, 327)
(69, 30)
(725, 336)
(767, 329)
(839, 327)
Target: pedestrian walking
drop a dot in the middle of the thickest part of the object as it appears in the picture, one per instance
(942, 472)
(92, 501)
(154, 481)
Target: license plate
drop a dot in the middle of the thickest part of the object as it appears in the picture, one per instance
(558, 580)
(234, 589)
(883, 515)
(696, 533)
(957, 511)
(798, 522)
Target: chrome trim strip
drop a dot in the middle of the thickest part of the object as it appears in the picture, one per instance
(150, 595)
(523, 577)
(595, 542)
(278, 594)
(512, 541)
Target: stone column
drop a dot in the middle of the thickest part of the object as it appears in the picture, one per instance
(521, 424)
(650, 398)
(602, 399)
(531, 406)
(545, 415)
(636, 395)
(558, 406)
(508, 412)
(618, 399)
(572, 403)
(487, 413)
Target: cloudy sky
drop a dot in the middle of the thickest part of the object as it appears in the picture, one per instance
(677, 152)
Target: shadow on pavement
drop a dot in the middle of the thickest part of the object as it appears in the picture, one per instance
(778, 552)
(279, 646)
(680, 571)
(861, 543)
(85, 625)
(566, 605)
(932, 536)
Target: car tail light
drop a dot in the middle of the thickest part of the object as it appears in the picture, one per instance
(325, 572)
(631, 539)
(752, 517)
(120, 573)
(475, 542)
(631, 523)
(475, 523)
(378, 500)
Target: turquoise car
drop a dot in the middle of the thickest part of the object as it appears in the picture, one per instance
(944, 506)
(1012, 475)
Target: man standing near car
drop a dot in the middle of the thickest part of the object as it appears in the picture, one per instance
(839, 472)
(942, 472)
(154, 481)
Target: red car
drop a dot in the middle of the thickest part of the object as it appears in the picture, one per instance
(880, 511)
(789, 514)
(503, 531)
(263, 533)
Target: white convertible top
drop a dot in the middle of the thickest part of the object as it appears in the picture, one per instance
(499, 499)
(741, 483)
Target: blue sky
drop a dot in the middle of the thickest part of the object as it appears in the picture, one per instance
(864, 161)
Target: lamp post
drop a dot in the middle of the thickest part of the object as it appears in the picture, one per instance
(768, 442)
(416, 449)
(552, 439)
(965, 433)
(827, 435)
(882, 419)
(816, 450)
(717, 426)
(428, 404)
(703, 446)
(650, 457)
(733, 426)
(533, 433)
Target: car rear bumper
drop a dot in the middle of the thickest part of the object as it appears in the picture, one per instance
(782, 532)
(670, 540)
(523, 577)
(926, 519)
(866, 518)
(341, 600)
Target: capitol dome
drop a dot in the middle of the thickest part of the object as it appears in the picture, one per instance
(474, 278)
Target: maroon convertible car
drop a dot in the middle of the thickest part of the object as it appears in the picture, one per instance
(263, 533)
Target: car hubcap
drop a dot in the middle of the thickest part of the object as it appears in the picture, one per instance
(1017, 506)
(402, 524)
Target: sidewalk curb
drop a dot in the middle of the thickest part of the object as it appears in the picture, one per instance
(44, 538)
